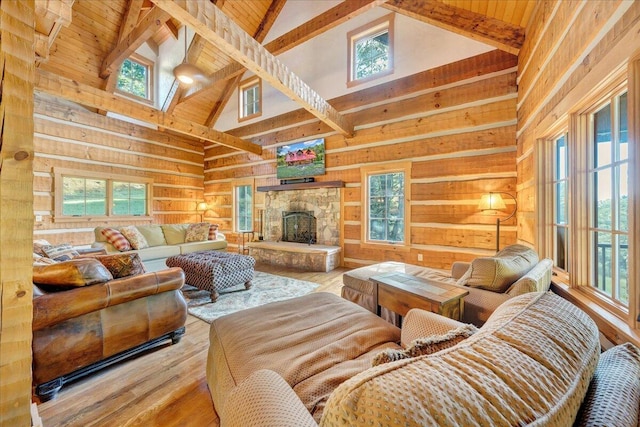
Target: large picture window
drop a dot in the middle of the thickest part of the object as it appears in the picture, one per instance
(80, 196)
(370, 51)
(386, 204)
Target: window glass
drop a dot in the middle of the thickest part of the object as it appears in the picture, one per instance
(386, 207)
(371, 54)
(250, 98)
(84, 196)
(129, 198)
(561, 203)
(134, 78)
(244, 208)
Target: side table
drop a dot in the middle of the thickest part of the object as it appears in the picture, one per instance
(400, 292)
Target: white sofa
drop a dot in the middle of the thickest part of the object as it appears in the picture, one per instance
(164, 240)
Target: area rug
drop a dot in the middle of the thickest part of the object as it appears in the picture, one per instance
(266, 288)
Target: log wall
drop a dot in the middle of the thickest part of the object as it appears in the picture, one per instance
(456, 124)
(68, 136)
(570, 48)
(17, 66)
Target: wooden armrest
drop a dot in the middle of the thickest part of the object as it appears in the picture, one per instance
(264, 399)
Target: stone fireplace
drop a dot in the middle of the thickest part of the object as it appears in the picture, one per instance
(299, 227)
(323, 204)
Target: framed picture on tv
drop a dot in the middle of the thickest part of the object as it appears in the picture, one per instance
(301, 159)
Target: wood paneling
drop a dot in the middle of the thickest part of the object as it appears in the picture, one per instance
(17, 66)
(458, 129)
(68, 136)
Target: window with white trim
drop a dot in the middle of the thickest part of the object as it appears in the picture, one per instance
(370, 51)
(243, 206)
(560, 221)
(100, 195)
(386, 204)
(136, 78)
(250, 98)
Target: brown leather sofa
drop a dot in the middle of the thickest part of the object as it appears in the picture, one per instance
(81, 330)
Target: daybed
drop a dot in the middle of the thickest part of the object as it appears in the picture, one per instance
(84, 320)
(308, 360)
(164, 240)
(513, 271)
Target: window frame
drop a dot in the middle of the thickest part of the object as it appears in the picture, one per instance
(367, 31)
(235, 214)
(61, 173)
(249, 83)
(366, 172)
(145, 62)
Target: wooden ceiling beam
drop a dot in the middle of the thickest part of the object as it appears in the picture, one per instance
(81, 93)
(312, 28)
(491, 31)
(259, 35)
(217, 28)
(150, 23)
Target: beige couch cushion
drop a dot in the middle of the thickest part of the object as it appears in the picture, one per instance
(532, 360)
(174, 234)
(153, 234)
(498, 272)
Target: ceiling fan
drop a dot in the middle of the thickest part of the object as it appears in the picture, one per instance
(187, 73)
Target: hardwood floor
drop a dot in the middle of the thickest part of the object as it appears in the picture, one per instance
(165, 387)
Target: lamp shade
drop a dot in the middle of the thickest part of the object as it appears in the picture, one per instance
(491, 202)
(202, 206)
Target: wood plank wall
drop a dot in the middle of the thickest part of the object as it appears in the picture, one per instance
(17, 67)
(558, 66)
(457, 125)
(68, 136)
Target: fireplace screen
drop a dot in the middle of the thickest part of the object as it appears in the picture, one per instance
(299, 226)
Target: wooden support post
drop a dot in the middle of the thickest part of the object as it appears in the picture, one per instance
(17, 68)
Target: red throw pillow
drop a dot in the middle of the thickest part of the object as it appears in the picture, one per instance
(117, 239)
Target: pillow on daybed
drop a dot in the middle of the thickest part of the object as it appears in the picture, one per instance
(122, 265)
(71, 274)
(427, 345)
(61, 252)
(497, 273)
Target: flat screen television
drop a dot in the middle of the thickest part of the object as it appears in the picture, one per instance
(301, 159)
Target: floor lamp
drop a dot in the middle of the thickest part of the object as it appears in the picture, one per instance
(494, 202)
(202, 207)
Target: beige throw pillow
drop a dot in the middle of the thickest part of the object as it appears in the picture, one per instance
(134, 237)
(498, 272)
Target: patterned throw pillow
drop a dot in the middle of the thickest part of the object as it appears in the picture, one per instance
(197, 232)
(134, 237)
(116, 238)
(213, 232)
(122, 265)
(62, 252)
(38, 245)
(427, 345)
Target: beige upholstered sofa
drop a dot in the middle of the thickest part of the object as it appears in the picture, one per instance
(513, 271)
(307, 361)
(164, 241)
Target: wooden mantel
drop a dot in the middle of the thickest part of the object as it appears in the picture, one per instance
(302, 186)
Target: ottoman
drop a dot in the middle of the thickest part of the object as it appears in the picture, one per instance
(214, 270)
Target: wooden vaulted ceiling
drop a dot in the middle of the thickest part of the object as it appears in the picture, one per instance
(82, 43)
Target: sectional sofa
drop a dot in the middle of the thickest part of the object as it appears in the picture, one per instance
(164, 240)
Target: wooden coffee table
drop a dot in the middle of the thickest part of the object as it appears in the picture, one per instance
(400, 292)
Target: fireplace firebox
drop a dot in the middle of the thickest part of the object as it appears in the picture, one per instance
(299, 226)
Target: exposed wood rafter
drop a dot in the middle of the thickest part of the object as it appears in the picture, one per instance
(51, 16)
(312, 28)
(491, 31)
(71, 90)
(217, 28)
(152, 22)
